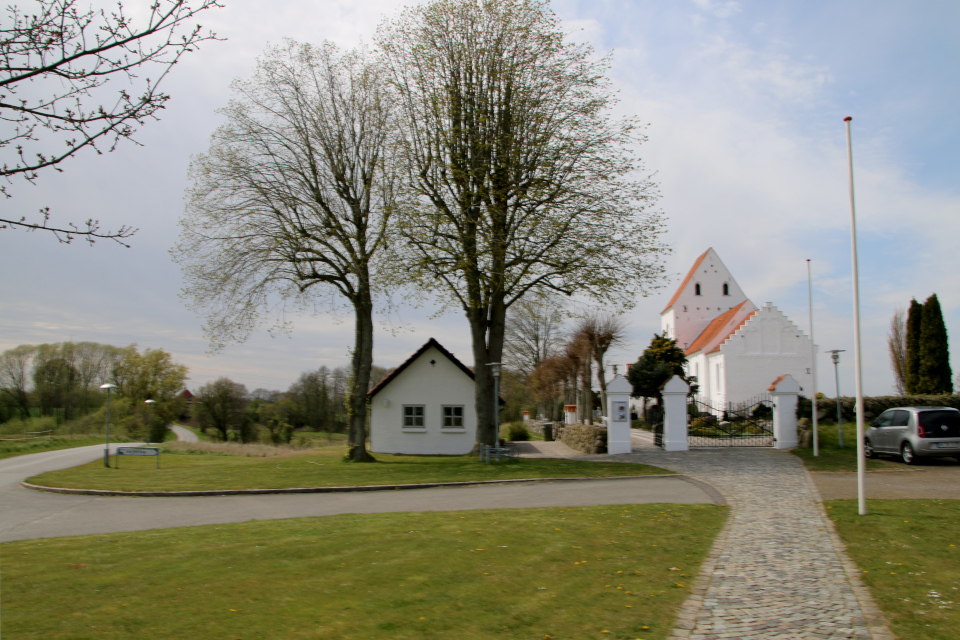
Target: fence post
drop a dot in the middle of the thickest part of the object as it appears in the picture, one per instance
(618, 415)
(674, 394)
(785, 391)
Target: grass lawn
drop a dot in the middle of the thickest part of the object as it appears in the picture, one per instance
(610, 572)
(318, 467)
(54, 443)
(909, 552)
(833, 458)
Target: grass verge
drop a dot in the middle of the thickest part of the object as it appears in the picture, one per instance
(11, 449)
(318, 467)
(909, 553)
(610, 572)
(833, 458)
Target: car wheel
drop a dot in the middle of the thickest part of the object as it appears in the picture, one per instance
(906, 452)
(868, 450)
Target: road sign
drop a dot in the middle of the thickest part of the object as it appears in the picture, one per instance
(137, 451)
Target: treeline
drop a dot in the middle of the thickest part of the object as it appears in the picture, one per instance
(317, 401)
(919, 351)
(62, 380)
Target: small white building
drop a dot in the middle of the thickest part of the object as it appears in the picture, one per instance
(425, 406)
(733, 348)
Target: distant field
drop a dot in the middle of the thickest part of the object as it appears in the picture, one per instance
(609, 572)
(316, 467)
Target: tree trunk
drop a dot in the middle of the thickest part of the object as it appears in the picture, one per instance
(487, 336)
(602, 378)
(362, 361)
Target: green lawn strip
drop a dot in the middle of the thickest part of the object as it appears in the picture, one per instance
(320, 467)
(833, 458)
(909, 553)
(608, 572)
(54, 443)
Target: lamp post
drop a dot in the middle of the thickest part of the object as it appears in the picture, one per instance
(813, 366)
(835, 354)
(149, 404)
(106, 451)
(495, 370)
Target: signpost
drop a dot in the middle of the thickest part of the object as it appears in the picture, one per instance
(137, 451)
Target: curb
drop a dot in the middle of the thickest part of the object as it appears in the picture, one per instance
(376, 487)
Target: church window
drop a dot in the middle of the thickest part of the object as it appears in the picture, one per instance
(726, 289)
(696, 289)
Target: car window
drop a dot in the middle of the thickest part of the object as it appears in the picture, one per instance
(884, 419)
(900, 419)
(941, 424)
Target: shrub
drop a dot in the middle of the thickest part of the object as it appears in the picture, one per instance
(517, 431)
(872, 406)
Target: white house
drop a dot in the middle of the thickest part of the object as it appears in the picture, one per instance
(733, 348)
(424, 406)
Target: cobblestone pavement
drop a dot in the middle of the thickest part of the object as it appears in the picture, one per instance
(778, 569)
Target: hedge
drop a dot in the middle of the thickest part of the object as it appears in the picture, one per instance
(872, 406)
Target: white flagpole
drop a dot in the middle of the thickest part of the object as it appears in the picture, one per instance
(861, 458)
(813, 365)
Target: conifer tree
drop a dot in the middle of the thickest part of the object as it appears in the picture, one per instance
(914, 316)
(934, 374)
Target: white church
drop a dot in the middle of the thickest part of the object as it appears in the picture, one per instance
(734, 349)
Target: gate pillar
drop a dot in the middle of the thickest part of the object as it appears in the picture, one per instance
(674, 394)
(785, 391)
(618, 415)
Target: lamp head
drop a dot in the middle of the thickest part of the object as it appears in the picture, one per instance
(107, 387)
(149, 402)
(495, 368)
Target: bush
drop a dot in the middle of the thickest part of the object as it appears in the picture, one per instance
(517, 431)
(872, 406)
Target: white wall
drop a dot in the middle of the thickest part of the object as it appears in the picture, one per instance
(691, 314)
(432, 386)
(767, 346)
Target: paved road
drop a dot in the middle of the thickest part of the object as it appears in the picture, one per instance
(33, 514)
(777, 570)
(184, 435)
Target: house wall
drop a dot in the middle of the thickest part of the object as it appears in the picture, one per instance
(433, 386)
(690, 314)
(767, 346)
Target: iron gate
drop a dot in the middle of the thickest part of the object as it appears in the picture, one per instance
(741, 424)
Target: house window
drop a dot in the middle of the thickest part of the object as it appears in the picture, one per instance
(413, 415)
(726, 289)
(453, 417)
(696, 289)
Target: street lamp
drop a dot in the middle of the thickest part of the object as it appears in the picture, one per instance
(495, 370)
(106, 452)
(835, 354)
(149, 404)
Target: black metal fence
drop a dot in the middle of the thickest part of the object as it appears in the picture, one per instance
(741, 424)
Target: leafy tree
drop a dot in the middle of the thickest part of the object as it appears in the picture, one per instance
(659, 362)
(151, 375)
(914, 318)
(935, 376)
(295, 194)
(519, 181)
(15, 376)
(54, 380)
(897, 346)
(222, 405)
(58, 64)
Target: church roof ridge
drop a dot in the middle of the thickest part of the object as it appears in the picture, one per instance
(686, 280)
(710, 333)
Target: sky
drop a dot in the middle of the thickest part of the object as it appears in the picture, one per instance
(744, 102)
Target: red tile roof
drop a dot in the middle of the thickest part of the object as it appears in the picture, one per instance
(773, 387)
(719, 329)
(686, 281)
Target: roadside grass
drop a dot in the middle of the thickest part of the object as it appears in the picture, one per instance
(607, 572)
(909, 553)
(54, 443)
(317, 467)
(833, 458)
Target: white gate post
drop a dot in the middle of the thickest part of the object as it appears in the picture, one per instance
(674, 394)
(785, 391)
(618, 415)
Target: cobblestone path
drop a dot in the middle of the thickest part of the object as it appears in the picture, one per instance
(778, 569)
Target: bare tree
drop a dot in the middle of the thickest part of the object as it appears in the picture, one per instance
(532, 333)
(15, 375)
(897, 346)
(295, 192)
(600, 332)
(56, 60)
(520, 180)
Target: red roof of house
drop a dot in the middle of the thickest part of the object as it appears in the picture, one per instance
(686, 280)
(719, 330)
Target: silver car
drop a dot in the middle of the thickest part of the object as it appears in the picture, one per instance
(914, 432)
